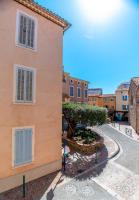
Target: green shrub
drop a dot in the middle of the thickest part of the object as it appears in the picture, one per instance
(84, 114)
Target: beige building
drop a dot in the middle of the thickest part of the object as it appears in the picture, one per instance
(106, 100)
(74, 89)
(134, 103)
(122, 100)
(31, 41)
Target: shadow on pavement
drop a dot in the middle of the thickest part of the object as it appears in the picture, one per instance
(77, 163)
(34, 189)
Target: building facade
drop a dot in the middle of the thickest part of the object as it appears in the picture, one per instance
(30, 88)
(95, 91)
(74, 89)
(122, 101)
(107, 100)
(95, 100)
(134, 103)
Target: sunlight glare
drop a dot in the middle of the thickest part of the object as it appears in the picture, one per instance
(100, 10)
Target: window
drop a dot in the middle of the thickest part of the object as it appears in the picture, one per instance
(85, 93)
(71, 91)
(125, 98)
(71, 81)
(26, 30)
(106, 99)
(94, 99)
(137, 100)
(78, 92)
(25, 84)
(23, 146)
(125, 107)
(79, 83)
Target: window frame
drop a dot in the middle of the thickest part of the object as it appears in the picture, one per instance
(80, 92)
(125, 106)
(15, 101)
(85, 94)
(18, 44)
(69, 90)
(125, 97)
(13, 146)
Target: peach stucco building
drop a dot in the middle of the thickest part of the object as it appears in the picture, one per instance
(31, 41)
(74, 89)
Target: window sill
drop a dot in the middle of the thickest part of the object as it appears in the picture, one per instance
(23, 165)
(24, 103)
(27, 48)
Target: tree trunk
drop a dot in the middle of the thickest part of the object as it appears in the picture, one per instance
(71, 129)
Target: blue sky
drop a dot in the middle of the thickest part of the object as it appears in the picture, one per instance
(105, 54)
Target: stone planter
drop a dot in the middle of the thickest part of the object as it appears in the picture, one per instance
(86, 148)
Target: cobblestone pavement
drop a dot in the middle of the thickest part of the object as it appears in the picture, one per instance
(81, 190)
(119, 177)
(35, 189)
(119, 180)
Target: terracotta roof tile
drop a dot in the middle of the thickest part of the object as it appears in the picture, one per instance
(32, 5)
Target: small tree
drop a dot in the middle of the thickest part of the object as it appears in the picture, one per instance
(84, 114)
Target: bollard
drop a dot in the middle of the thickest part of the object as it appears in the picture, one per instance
(96, 159)
(64, 162)
(24, 186)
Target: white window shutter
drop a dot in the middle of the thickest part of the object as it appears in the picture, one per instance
(32, 33)
(23, 146)
(24, 84)
(26, 33)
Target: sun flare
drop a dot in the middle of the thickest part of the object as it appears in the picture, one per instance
(99, 10)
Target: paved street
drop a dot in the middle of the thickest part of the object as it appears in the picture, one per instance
(129, 158)
(82, 189)
(119, 178)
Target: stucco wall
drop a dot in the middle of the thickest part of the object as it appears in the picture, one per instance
(45, 114)
(66, 89)
(119, 101)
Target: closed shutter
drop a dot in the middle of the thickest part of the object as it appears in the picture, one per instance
(29, 86)
(24, 84)
(26, 31)
(20, 82)
(23, 146)
(32, 33)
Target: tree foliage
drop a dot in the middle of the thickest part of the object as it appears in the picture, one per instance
(84, 114)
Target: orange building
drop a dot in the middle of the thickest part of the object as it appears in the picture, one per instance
(107, 100)
(95, 100)
(31, 41)
(74, 89)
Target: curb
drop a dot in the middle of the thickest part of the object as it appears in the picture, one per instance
(52, 185)
(113, 141)
(97, 165)
(59, 175)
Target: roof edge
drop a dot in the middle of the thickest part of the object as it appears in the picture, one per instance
(44, 12)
